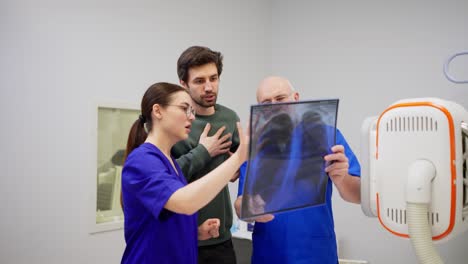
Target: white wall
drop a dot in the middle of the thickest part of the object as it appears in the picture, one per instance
(370, 54)
(58, 58)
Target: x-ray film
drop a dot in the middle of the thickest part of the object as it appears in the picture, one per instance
(286, 169)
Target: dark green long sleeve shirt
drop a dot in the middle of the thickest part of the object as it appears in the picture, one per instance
(195, 162)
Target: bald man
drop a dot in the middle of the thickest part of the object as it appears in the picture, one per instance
(306, 235)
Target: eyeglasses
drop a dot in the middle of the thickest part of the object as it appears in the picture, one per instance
(187, 109)
(278, 99)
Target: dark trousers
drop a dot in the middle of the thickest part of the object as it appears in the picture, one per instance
(217, 254)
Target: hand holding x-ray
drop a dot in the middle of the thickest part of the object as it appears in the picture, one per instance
(257, 207)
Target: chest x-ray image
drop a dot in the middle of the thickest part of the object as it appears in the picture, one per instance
(286, 169)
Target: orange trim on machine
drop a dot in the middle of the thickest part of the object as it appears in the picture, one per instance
(382, 223)
(452, 165)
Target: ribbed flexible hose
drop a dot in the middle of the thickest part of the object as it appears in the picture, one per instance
(420, 234)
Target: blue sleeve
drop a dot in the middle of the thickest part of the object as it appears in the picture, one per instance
(354, 167)
(242, 172)
(150, 182)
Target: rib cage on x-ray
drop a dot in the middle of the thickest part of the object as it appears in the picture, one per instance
(286, 167)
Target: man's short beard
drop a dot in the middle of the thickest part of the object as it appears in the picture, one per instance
(202, 103)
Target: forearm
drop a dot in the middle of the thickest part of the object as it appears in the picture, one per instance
(192, 197)
(350, 189)
(193, 161)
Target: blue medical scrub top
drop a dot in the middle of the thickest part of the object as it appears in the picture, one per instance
(301, 236)
(154, 234)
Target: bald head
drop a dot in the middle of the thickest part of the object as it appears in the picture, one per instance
(274, 89)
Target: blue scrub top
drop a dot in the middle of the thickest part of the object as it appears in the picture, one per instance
(154, 234)
(301, 236)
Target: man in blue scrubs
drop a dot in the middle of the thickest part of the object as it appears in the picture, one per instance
(305, 235)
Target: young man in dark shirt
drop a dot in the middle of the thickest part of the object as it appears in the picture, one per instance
(213, 136)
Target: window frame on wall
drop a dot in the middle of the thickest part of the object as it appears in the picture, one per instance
(108, 163)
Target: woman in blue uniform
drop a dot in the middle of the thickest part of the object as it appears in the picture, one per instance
(159, 206)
